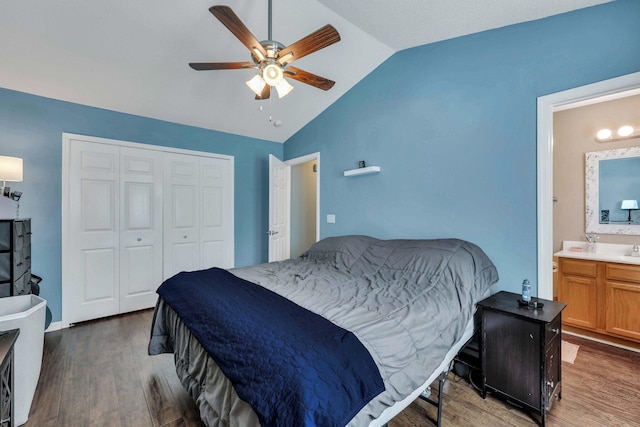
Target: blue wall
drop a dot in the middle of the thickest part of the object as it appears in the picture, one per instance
(31, 127)
(453, 127)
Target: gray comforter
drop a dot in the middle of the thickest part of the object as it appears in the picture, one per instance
(407, 301)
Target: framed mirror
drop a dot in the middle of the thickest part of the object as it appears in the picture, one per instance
(611, 177)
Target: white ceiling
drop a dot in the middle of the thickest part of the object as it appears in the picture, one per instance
(132, 56)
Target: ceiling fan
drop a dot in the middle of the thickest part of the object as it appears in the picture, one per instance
(270, 57)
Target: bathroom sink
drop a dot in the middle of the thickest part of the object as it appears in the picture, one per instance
(604, 252)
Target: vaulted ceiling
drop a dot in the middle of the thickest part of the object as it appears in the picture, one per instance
(132, 56)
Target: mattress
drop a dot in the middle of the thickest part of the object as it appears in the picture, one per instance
(410, 303)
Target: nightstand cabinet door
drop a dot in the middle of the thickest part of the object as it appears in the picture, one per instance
(516, 371)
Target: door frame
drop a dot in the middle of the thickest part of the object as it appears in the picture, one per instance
(304, 159)
(65, 208)
(296, 161)
(547, 105)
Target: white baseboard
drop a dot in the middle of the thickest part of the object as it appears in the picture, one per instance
(54, 326)
(602, 341)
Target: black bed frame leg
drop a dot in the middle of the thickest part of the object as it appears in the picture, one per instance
(441, 380)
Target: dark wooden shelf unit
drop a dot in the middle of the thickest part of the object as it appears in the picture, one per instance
(15, 257)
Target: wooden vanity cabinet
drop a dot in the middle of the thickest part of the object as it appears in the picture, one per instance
(623, 300)
(578, 289)
(601, 296)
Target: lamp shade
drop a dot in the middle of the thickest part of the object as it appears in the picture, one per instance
(629, 204)
(10, 168)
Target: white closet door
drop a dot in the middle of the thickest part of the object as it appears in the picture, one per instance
(216, 219)
(181, 222)
(140, 228)
(91, 273)
(134, 215)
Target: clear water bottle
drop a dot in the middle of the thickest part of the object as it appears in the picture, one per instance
(526, 291)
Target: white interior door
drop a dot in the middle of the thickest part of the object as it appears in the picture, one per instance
(216, 219)
(140, 228)
(91, 256)
(181, 222)
(279, 209)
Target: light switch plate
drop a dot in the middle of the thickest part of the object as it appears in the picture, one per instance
(331, 219)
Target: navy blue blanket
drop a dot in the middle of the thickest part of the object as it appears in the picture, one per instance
(294, 367)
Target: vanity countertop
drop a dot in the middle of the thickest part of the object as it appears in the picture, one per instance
(608, 252)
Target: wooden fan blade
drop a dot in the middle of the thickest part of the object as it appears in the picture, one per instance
(266, 93)
(203, 66)
(230, 20)
(309, 78)
(315, 41)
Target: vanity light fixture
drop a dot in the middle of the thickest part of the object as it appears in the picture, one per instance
(624, 132)
(630, 205)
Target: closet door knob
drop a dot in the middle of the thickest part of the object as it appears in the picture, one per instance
(184, 237)
(139, 239)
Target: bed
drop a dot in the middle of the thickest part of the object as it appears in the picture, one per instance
(408, 303)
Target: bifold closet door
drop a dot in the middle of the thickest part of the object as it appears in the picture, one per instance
(115, 230)
(181, 206)
(198, 213)
(140, 228)
(91, 272)
(134, 215)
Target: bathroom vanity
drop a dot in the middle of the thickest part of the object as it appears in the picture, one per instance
(601, 289)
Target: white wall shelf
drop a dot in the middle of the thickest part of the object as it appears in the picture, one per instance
(362, 171)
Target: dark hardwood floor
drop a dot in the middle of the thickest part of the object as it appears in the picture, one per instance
(99, 374)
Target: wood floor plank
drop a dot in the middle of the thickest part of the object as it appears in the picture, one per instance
(52, 374)
(99, 374)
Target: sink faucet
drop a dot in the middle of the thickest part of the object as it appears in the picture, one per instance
(635, 251)
(591, 242)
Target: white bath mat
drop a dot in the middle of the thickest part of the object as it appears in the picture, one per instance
(569, 352)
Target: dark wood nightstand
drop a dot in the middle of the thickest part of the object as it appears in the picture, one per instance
(520, 351)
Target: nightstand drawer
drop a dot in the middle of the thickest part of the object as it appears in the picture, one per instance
(553, 331)
(553, 361)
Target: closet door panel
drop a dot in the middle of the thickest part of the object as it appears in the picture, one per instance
(141, 225)
(99, 268)
(181, 225)
(91, 267)
(216, 225)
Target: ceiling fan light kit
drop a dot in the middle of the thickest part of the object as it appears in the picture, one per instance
(257, 84)
(270, 57)
(272, 74)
